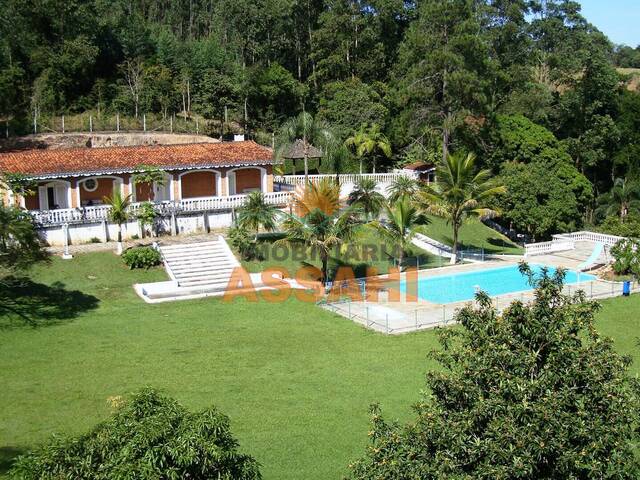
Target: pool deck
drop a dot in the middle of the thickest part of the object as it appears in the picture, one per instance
(409, 315)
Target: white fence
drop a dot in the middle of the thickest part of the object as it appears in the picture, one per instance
(351, 178)
(100, 213)
(544, 248)
(606, 240)
(566, 241)
(397, 318)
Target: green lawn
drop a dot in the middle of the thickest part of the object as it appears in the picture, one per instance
(295, 380)
(354, 256)
(473, 234)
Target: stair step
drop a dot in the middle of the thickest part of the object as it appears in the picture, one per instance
(193, 252)
(204, 275)
(202, 266)
(183, 246)
(192, 283)
(201, 257)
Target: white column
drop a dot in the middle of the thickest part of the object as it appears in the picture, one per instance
(65, 233)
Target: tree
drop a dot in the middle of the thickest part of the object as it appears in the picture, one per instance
(20, 246)
(149, 436)
(256, 213)
(274, 94)
(318, 222)
(311, 130)
(402, 218)
(370, 142)
(533, 392)
(18, 183)
(347, 104)
(134, 76)
(401, 187)
(443, 68)
(366, 197)
(622, 200)
(149, 176)
(147, 215)
(119, 212)
(459, 192)
(543, 197)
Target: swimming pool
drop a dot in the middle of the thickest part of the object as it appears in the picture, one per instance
(460, 287)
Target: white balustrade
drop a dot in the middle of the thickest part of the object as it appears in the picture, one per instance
(605, 239)
(101, 212)
(543, 248)
(346, 178)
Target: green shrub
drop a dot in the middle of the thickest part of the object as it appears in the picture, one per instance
(626, 255)
(614, 226)
(244, 242)
(141, 257)
(95, 240)
(135, 236)
(150, 437)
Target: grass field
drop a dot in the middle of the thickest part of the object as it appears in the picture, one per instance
(474, 234)
(295, 380)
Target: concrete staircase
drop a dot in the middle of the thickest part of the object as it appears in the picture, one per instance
(205, 264)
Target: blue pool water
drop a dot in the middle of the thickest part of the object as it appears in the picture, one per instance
(460, 287)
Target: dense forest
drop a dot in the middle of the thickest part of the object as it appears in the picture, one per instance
(528, 85)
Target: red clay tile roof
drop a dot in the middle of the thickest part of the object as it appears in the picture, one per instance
(91, 161)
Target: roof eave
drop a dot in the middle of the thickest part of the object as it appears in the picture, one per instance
(119, 171)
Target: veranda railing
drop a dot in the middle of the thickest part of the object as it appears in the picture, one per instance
(101, 212)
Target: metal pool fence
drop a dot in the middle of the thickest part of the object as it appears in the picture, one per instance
(377, 312)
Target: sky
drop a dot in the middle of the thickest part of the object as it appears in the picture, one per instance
(618, 19)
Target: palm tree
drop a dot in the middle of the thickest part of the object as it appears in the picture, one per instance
(367, 197)
(256, 213)
(370, 142)
(119, 212)
(310, 130)
(322, 225)
(323, 195)
(402, 186)
(622, 200)
(355, 141)
(460, 192)
(402, 217)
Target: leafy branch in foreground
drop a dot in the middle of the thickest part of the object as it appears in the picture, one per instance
(149, 437)
(532, 393)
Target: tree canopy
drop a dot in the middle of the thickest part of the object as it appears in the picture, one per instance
(149, 436)
(534, 392)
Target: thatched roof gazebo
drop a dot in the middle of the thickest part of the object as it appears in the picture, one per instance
(295, 151)
(299, 151)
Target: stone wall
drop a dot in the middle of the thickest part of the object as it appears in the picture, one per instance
(102, 139)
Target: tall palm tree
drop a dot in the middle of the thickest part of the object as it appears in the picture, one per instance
(402, 217)
(256, 213)
(309, 129)
(460, 192)
(355, 141)
(623, 199)
(370, 142)
(402, 186)
(367, 197)
(320, 224)
(119, 212)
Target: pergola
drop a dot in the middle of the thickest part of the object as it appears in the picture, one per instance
(296, 151)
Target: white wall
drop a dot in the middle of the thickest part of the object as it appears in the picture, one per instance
(83, 233)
